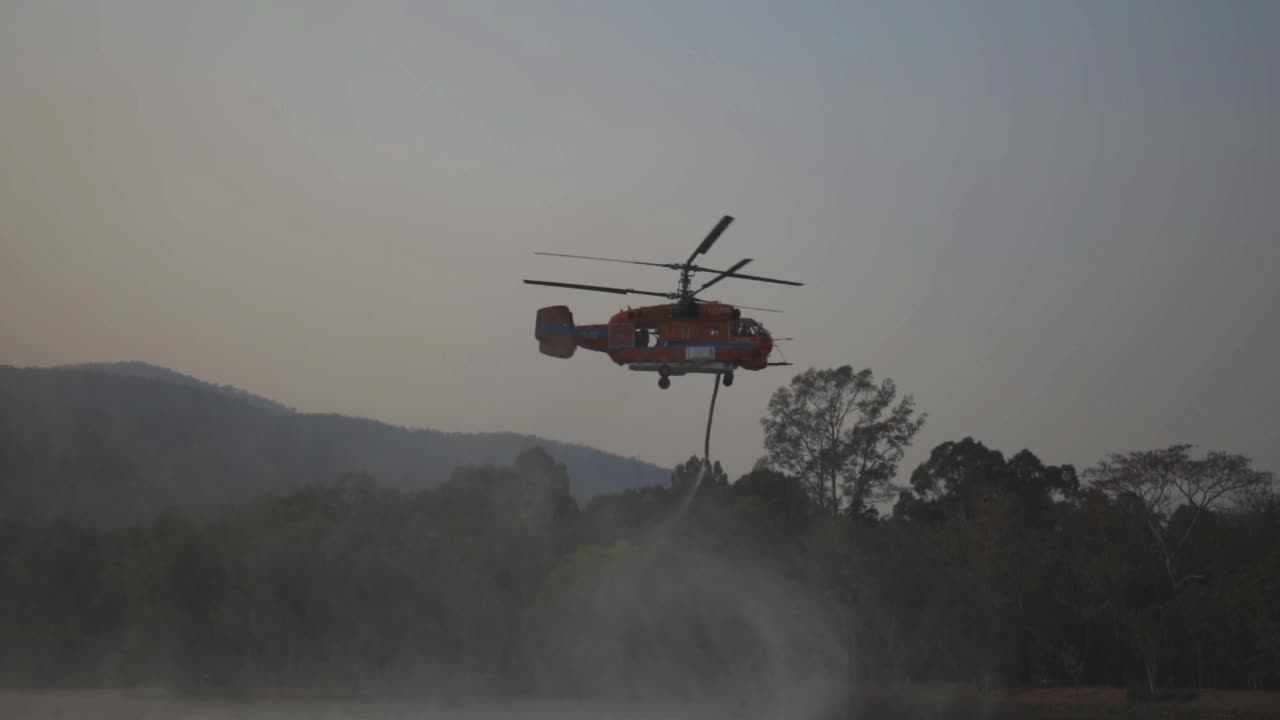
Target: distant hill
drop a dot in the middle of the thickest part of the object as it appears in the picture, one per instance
(114, 443)
(155, 372)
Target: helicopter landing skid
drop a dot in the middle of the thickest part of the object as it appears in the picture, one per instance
(723, 371)
(683, 368)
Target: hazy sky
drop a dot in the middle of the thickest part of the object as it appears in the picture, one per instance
(1057, 225)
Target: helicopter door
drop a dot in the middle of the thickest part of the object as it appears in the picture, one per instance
(647, 335)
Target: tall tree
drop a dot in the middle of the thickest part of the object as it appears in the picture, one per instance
(994, 518)
(957, 472)
(1162, 481)
(695, 472)
(840, 433)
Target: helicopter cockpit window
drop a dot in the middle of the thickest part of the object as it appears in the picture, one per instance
(747, 328)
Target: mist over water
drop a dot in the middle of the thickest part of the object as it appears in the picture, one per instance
(766, 646)
(661, 626)
(124, 706)
(783, 661)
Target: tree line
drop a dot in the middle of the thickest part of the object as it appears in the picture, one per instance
(1156, 569)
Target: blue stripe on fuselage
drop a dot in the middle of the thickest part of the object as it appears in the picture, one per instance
(726, 346)
(681, 346)
(552, 329)
(604, 333)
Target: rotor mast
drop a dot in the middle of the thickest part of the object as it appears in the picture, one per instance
(684, 294)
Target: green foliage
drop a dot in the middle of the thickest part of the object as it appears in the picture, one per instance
(840, 434)
(990, 571)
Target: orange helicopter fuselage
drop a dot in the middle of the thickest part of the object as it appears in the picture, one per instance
(669, 339)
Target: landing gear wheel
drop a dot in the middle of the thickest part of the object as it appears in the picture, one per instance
(728, 379)
(664, 377)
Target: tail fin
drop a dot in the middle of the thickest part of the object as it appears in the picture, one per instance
(555, 332)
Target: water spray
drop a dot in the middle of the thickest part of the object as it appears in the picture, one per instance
(706, 455)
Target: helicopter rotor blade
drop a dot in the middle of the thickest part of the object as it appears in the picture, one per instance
(724, 274)
(744, 276)
(597, 288)
(736, 305)
(760, 309)
(711, 238)
(604, 259)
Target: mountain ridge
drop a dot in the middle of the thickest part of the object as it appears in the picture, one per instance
(110, 443)
(141, 369)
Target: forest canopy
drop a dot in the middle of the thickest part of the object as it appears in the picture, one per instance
(1154, 569)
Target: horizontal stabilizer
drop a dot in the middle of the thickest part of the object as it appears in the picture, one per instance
(555, 332)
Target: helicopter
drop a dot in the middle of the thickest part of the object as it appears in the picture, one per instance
(686, 335)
